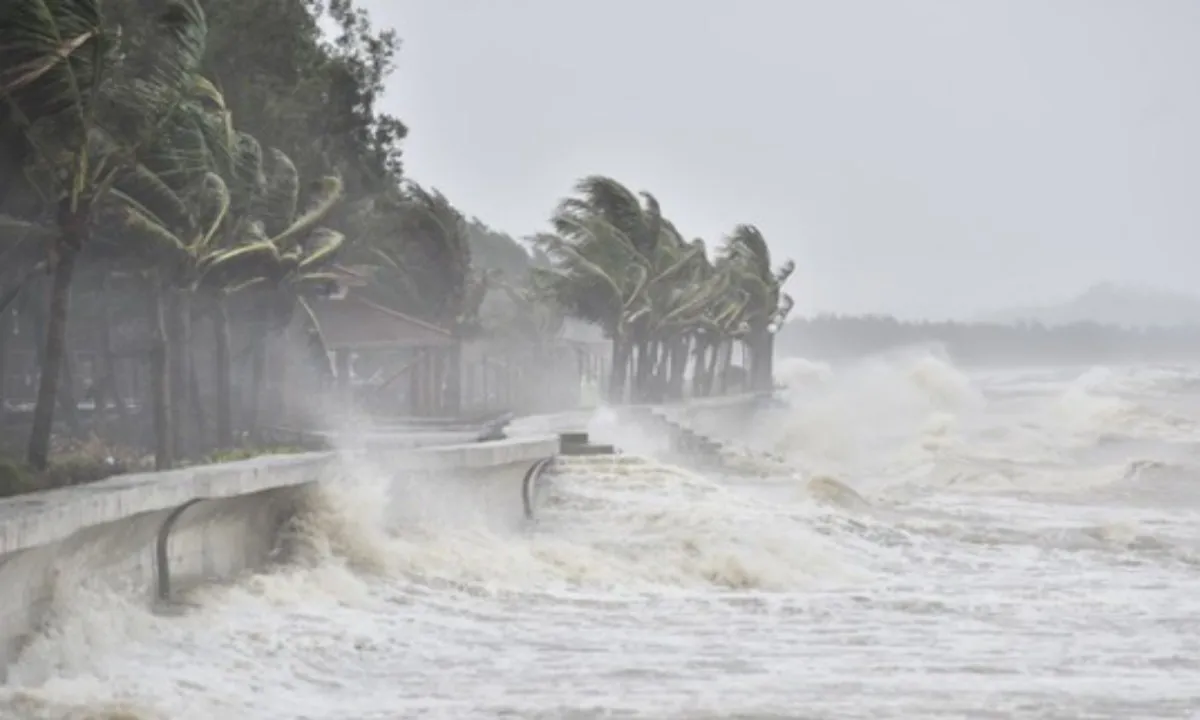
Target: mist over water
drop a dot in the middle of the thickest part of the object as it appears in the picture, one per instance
(922, 542)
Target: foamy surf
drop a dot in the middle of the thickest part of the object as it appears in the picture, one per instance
(920, 542)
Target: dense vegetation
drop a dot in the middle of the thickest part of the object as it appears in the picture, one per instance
(160, 174)
(832, 337)
(616, 261)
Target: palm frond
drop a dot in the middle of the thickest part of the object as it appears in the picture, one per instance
(214, 207)
(282, 193)
(326, 244)
(326, 198)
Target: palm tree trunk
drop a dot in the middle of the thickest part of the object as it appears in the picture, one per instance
(714, 364)
(224, 372)
(754, 363)
(199, 438)
(723, 366)
(67, 401)
(699, 352)
(768, 362)
(621, 350)
(160, 386)
(177, 357)
(258, 370)
(703, 379)
(636, 352)
(650, 389)
(6, 324)
(111, 388)
(56, 344)
(660, 357)
(38, 325)
(647, 371)
(642, 370)
(714, 373)
(453, 374)
(760, 347)
(664, 363)
(677, 373)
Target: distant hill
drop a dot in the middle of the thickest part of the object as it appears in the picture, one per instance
(1110, 304)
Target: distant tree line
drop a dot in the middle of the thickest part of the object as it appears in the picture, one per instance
(841, 337)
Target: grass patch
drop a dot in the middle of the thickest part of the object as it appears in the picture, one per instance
(72, 462)
(15, 479)
(75, 462)
(246, 453)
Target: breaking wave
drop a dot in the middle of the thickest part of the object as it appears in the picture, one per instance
(910, 492)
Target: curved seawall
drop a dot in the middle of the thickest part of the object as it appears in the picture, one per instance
(877, 549)
(153, 535)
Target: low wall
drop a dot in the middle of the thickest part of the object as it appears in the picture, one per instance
(155, 534)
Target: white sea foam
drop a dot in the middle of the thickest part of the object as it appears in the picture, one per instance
(938, 544)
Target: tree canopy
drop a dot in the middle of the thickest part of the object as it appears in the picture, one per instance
(186, 164)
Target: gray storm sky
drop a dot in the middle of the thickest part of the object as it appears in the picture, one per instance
(918, 157)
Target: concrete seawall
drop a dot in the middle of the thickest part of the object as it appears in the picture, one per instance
(152, 535)
(713, 414)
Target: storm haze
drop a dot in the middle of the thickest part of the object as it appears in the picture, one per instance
(920, 158)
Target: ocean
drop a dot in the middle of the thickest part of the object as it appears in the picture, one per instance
(906, 540)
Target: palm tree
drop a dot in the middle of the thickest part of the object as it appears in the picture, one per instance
(595, 275)
(675, 296)
(420, 247)
(279, 257)
(694, 314)
(635, 221)
(530, 316)
(749, 259)
(20, 263)
(83, 110)
(163, 215)
(611, 254)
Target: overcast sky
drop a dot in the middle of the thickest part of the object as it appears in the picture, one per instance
(918, 157)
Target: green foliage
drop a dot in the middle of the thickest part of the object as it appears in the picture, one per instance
(230, 158)
(421, 248)
(82, 103)
(617, 262)
(315, 97)
(495, 250)
(246, 453)
(74, 463)
(748, 258)
(15, 479)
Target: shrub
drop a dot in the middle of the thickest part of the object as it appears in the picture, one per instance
(15, 479)
(245, 453)
(75, 462)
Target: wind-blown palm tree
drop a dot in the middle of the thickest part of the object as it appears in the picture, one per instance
(749, 259)
(163, 216)
(596, 275)
(616, 261)
(420, 247)
(83, 109)
(611, 255)
(281, 258)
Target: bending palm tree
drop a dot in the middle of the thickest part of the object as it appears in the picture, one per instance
(280, 256)
(420, 248)
(84, 111)
(749, 260)
(596, 275)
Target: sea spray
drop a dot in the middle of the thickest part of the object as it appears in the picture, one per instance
(650, 591)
